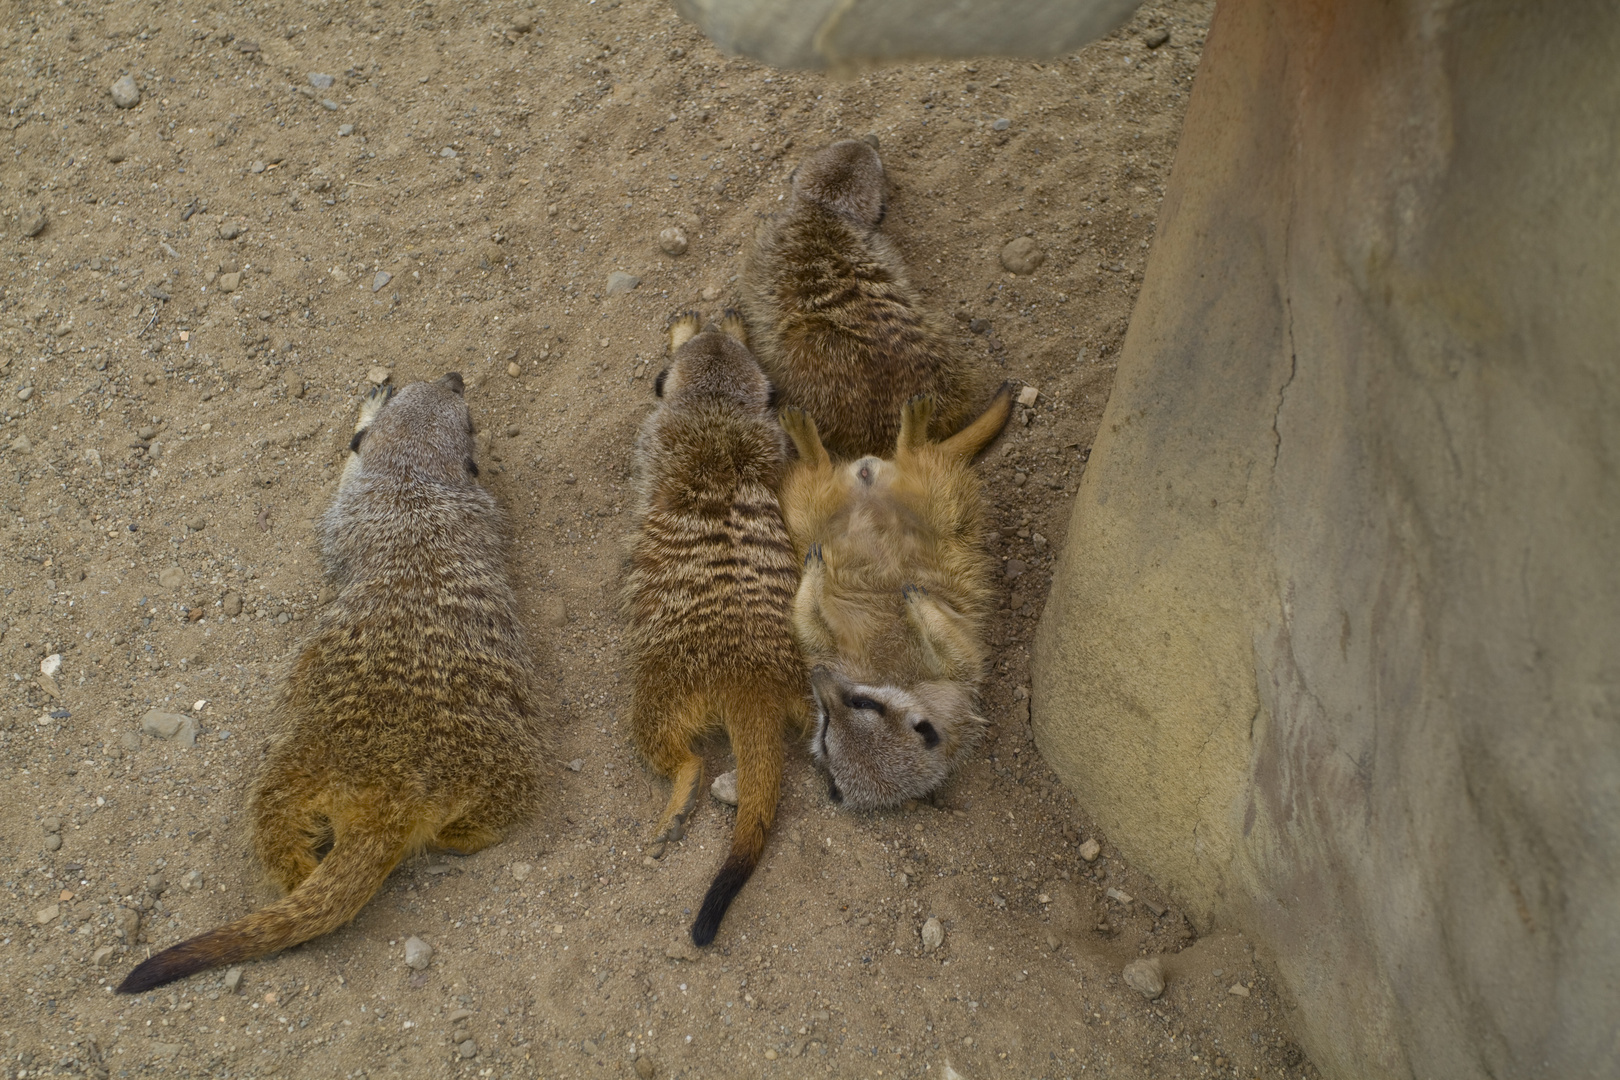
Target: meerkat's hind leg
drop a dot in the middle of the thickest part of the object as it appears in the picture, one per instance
(683, 328)
(801, 428)
(666, 739)
(731, 321)
(466, 835)
(914, 417)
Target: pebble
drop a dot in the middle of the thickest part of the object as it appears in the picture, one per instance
(345, 130)
(1146, 977)
(377, 376)
(513, 431)
(770, 1055)
(1014, 567)
(576, 765)
(1154, 38)
(1028, 395)
(229, 282)
(711, 293)
(621, 282)
(1020, 479)
(127, 921)
(724, 788)
(233, 980)
(102, 957)
(458, 1016)
(47, 914)
(521, 871)
(53, 842)
(50, 666)
(673, 241)
(645, 1067)
(417, 954)
(1053, 942)
(1239, 989)
(256, 168)
(35, 224)
(448, 152)
(172, 578)
(22, 445)
(197, 524)
(1090, 850)
(1001, 123)
(589, 1048)
(468, 1049)
(173, 726)
(51, 824)
(232, 605)
(933, 933)
(513, 370)
(125, 94)
(523, 22)
(682, 950)
(1119, 894)
(321, 82)
(1022, 255)
(229, 230)
(381, 280)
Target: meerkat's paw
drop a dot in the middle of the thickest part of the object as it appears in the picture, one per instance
(914, 418)
(683, 328)
(731, 321)
(913, 593)
(372, 404)
(801, 428)
(813, 557)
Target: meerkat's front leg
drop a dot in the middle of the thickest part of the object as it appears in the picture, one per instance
(801, 428)
(914, 417)
(948, 643)
(816, 638)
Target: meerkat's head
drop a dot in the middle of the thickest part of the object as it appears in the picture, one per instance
(713, 363)
(846, 177)
(882, 745)
(423, 431)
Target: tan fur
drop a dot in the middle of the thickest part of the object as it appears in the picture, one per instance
(891, 608)
(407, 720)
(834, 318)
(709, 592)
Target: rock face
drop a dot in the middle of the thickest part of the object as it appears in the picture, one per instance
(1332, 649)
(839, 34)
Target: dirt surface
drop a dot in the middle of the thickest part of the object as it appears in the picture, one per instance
(197, 288)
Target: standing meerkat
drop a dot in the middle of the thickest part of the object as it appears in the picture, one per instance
(892, 605)
(407, 720)
(709, 592)
(834, 319)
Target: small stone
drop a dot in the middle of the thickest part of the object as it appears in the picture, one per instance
(51, 824)
(381, 281)
(345, 130)
(1154, 38)
(1053, 942)
(933, 934)
(22, 445)
(229, 230)
(621, 282)
(1001, 123)
(513, 431)
(682, 950)
(197, 524)
(468, 1049)
(645, 1067)
(154, 451)
(229, 282)
(321, 82)
(448, 152)
(1020, 479)
(1146, 977)
(1119, 895)
(1022, 256)
(127, 921)
(576, 765)
(232, 605)
(513, 370)
(377, 376)
(1157, 909)
(233, 980)
(523, 22)
(51, 664)
(1238, 989)
(520, 871)
(1090, 850)
(770, 1055)
(53, 842)
(711, 293)
(458, 1016)
(256, 168)
(417, 955)
(1015, 567)
(172, 578)
(174, 726)
(588, 1048)
(125, 94)
(1028, 395)
(724, 788)
(102, 957)
(47, 914)
(34, 224)
(672, 241)
(157, 884)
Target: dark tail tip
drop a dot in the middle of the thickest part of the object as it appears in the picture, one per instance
(733, 875)
(172, 963)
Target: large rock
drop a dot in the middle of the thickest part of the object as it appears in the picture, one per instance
(1334, 648)
(841, 34)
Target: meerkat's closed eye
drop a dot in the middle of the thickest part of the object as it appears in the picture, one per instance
(658, 383)
(858, 702)
(930, 737)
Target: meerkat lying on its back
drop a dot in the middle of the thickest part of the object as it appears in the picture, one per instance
(834, 319)
(710, 590)
(407, 720)
(891, 608)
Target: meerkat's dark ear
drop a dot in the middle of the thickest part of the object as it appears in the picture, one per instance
(930, 737)
(354, 443)
(472, 467)
(452, 381)
(658, 383)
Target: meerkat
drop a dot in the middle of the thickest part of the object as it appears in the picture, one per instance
(709, 592)
(408, 719)
(834, 319)
(891, 607)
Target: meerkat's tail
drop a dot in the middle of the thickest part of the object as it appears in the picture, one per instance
(965, 444)
(334, 893)
(755, 725)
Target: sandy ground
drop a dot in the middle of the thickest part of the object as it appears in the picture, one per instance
(195, 291)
